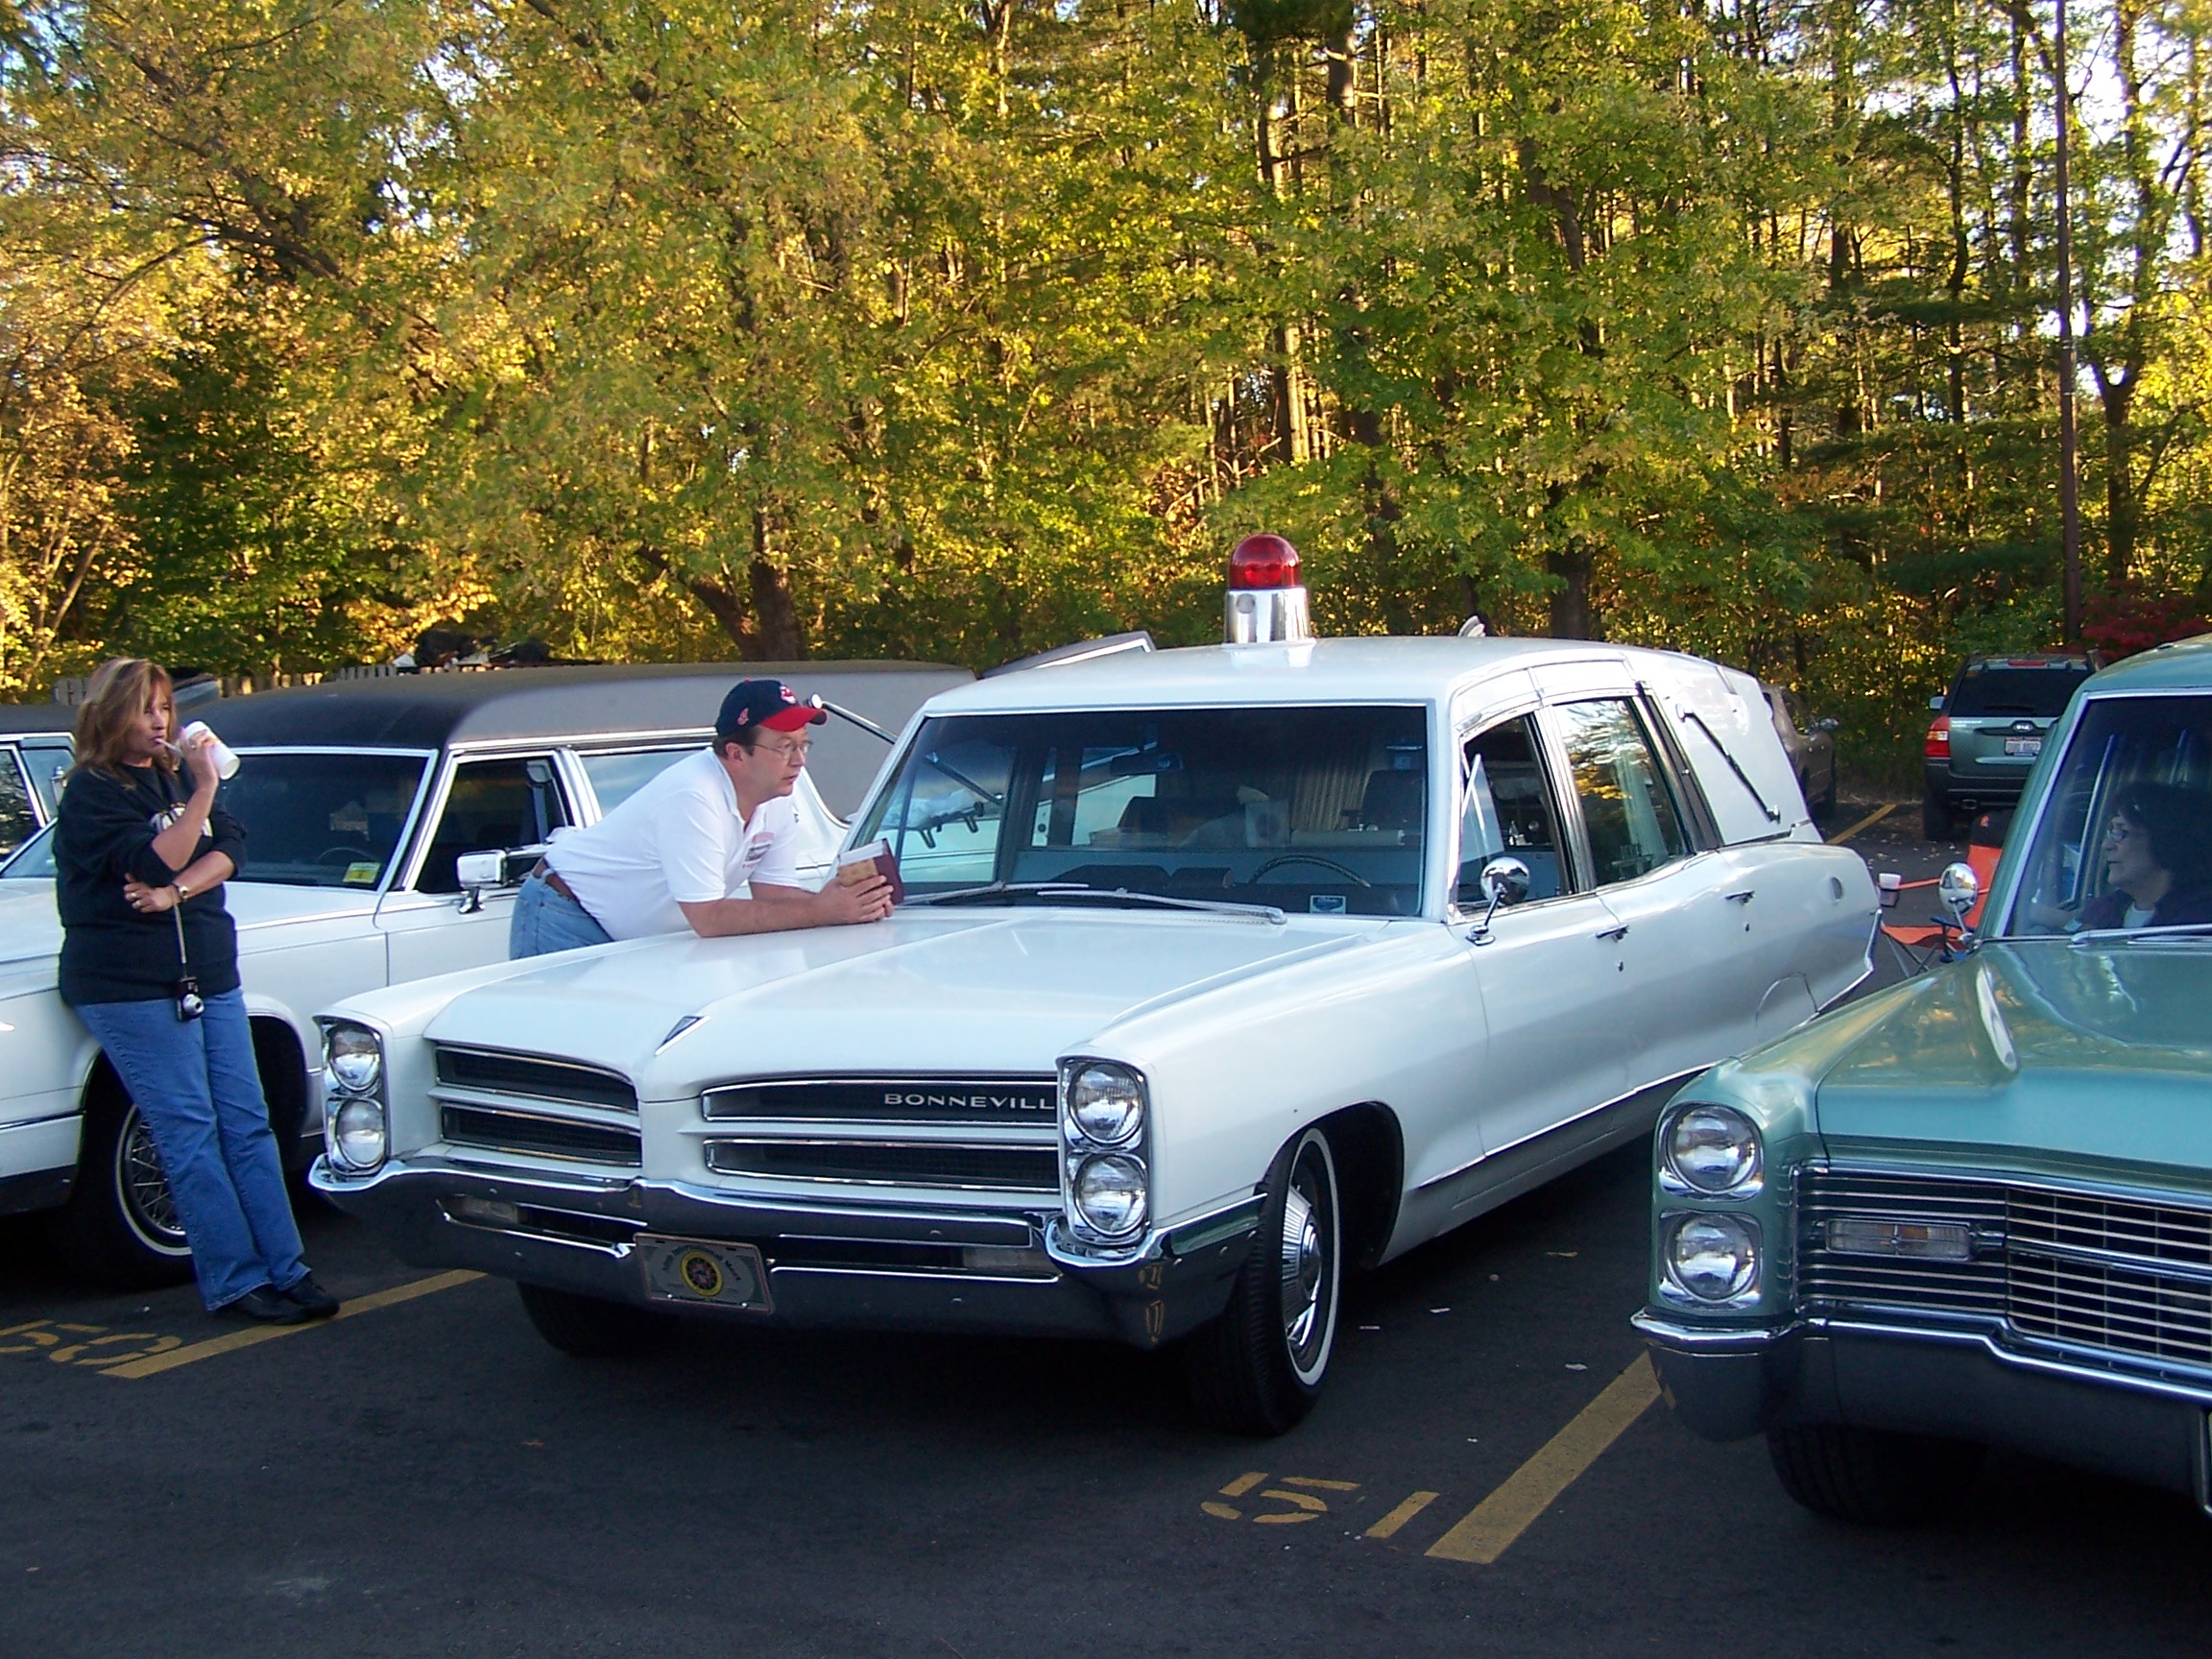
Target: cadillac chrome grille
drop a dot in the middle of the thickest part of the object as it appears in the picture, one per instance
(994, 1133)
(2121, 1275)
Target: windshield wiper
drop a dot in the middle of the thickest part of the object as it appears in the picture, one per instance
(1010, 890)
(994, 890)
(2177, 930)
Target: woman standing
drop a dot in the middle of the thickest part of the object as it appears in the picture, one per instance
(150, 963)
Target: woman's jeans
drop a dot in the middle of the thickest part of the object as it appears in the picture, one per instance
(197, 1087)
(545, 920)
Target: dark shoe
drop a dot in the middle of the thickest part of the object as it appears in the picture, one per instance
(317, 1302)
(264, 1306)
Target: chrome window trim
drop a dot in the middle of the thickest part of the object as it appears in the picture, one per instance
(425, 827)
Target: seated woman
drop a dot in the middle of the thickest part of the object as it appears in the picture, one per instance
(2157, 859)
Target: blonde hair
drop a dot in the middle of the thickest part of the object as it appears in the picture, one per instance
(115, 699)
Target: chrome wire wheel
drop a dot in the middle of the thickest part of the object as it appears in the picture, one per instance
(1308, 1254)
(142, 1190)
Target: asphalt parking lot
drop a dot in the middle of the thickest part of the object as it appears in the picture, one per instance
(1489, 1473)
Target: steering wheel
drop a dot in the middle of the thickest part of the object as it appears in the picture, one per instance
(1276, 863)
(343, 855)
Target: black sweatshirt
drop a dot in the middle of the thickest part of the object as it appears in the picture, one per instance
(111, 952)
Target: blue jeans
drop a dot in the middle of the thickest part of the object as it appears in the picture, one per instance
(545, 920)
(199, 1094)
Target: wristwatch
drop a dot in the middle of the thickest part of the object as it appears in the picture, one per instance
(183, 892)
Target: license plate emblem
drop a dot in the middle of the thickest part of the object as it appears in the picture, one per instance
(703, 1270)
(2025, 748)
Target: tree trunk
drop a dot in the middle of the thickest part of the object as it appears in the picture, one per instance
(775, 637)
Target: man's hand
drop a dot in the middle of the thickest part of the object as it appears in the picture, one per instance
(868, 900)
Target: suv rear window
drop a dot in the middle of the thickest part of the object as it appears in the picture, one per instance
(2004, 689)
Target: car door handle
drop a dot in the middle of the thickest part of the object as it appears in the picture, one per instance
(1619, 933)
(1742, 896)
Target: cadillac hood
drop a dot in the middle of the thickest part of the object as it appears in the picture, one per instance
(31, 929)
(2038, 1049)
(946, 993)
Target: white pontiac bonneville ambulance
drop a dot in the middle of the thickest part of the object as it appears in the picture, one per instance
(1219, 971)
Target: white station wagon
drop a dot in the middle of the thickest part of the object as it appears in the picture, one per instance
(1218, 972)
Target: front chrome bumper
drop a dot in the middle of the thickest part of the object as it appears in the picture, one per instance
(869, 1268)
(2140, 1422)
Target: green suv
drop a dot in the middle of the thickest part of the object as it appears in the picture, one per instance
(1988, 732)
(1976, 1207)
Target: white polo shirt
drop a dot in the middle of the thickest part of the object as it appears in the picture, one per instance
(679, 840)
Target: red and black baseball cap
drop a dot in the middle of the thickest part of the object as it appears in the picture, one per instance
(768, 702)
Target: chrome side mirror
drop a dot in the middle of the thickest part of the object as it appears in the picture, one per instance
(1506, 880)
(1960, 889)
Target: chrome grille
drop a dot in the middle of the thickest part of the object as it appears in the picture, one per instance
(997, 1134)
(540, 1133)
(488, 1072)
(2123, 1275)
(891, 1162)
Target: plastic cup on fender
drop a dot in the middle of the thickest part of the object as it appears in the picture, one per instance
(1259, 1369)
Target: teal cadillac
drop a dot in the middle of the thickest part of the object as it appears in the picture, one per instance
(1975, 1208)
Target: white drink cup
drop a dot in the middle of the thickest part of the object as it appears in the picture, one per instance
(217, 754)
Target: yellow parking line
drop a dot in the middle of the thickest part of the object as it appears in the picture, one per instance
(1488, 1531)
(1388, 1525)
(234, 1341)
(1874, 817)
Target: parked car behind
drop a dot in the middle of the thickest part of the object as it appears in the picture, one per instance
(34, 753)
(1975, 1208)
(1988, 732)
(1221, 970)
(1810, 744)
(360, 799)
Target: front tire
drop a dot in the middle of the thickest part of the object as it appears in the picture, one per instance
(120, 1228)
(589, 1329)
(1259, 1369)
(1871, 1476)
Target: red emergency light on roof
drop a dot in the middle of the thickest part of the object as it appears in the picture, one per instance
(1263, 561)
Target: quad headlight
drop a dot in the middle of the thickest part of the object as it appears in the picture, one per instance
(1713, 1258)
(353, 1055)
(1105, 1178)
(356, 1125)
(1713, 1149)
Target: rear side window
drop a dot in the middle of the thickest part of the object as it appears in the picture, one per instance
(1628, 808)
(615, 778)
(1986, 690)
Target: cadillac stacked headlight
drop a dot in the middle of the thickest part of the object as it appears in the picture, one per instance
(357, 1127)
(1713, 1259)
(1105, 1181)
(1712, 1149)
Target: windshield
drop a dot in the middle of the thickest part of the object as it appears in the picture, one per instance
(2125, 839)
(1317, 810)
(321, 820)
(2000, 689)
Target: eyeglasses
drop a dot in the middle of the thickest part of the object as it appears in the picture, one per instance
(788, 748)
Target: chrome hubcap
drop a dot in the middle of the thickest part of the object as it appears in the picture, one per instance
(1308, 1274)
(139, 1180)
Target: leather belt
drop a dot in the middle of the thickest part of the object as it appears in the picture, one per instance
(546, 873)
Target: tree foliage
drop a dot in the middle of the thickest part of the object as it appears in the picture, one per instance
(953, 328)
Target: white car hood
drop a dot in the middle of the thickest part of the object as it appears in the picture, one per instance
(31, 928)
(949, 991)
